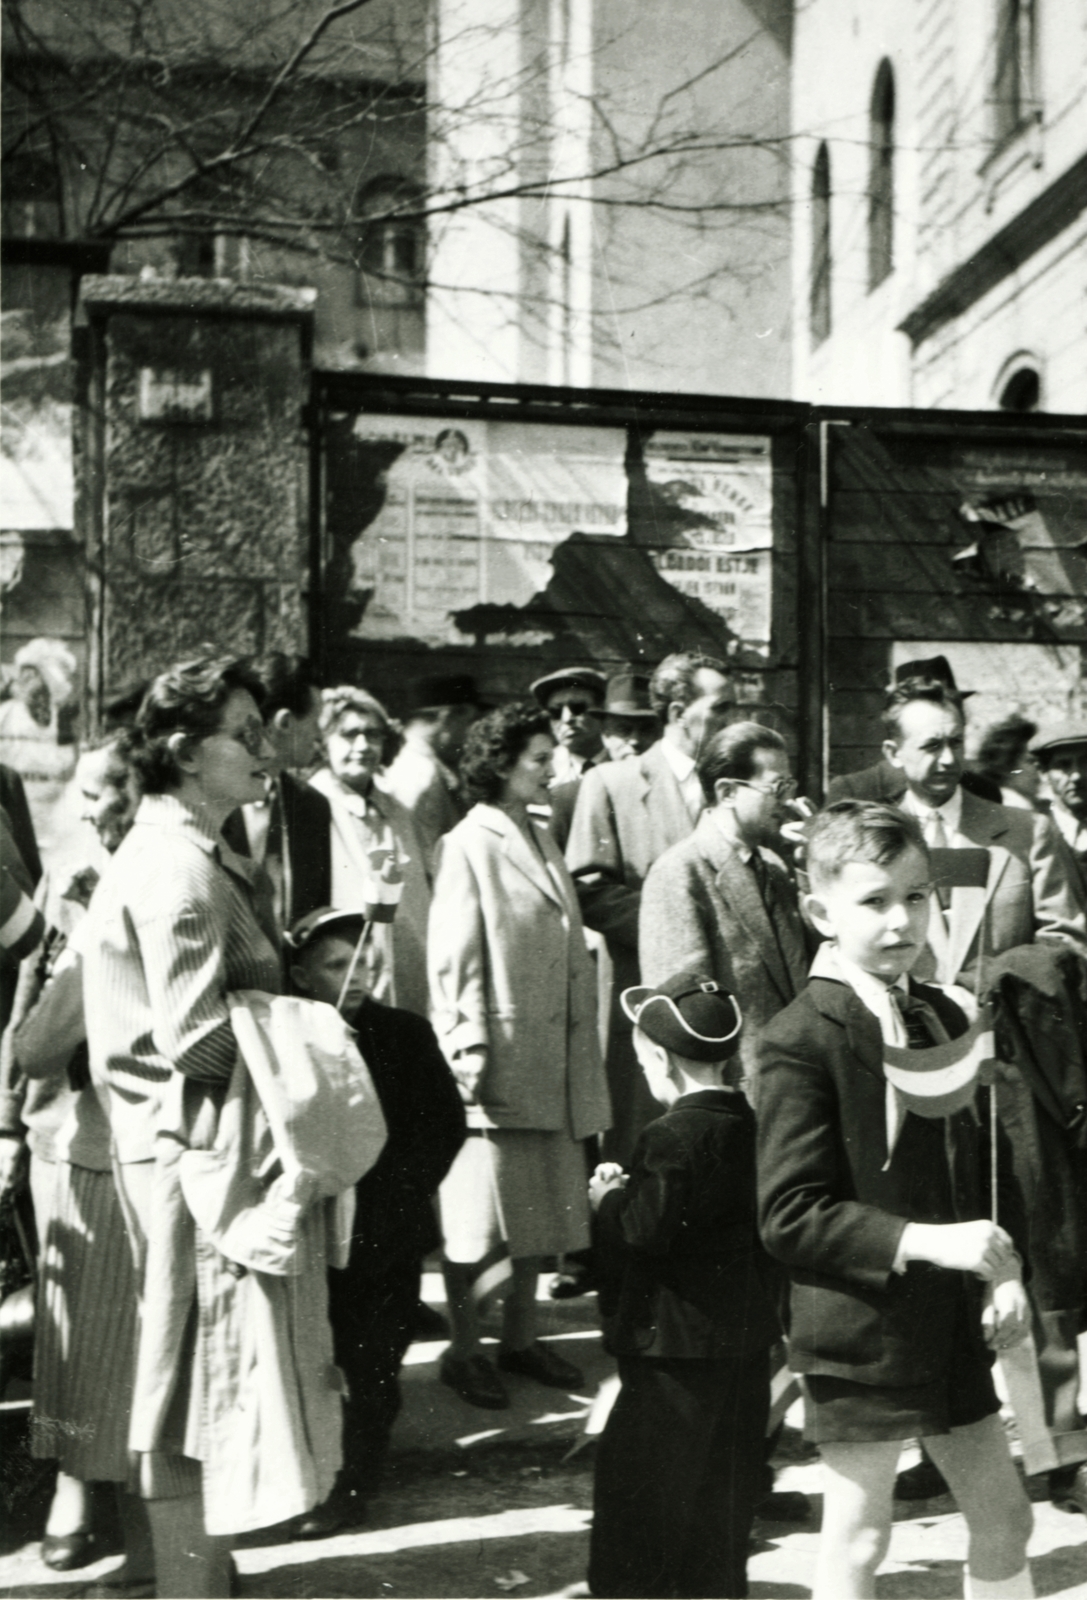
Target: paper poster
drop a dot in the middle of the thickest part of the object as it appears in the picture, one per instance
(471, 512)
(717, 491)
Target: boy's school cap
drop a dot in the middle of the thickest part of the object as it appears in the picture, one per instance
(689, 1014)
(323, 920)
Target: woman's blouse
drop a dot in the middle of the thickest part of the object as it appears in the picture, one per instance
(170, 930)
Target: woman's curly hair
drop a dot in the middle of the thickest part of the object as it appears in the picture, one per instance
(187, 698)
(494, 744)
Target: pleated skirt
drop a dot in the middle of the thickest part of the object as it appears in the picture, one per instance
(85, 1339)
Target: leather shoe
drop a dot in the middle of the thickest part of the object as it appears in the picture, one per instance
(344, 1508)
(475, 1380)
(66, 1551)
(922, 1482)
(540, 1362)
(1068, 1488)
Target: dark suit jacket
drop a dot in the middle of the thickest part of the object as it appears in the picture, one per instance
(679, 1245)
(14, 801)
(886, 783)
(307, 817)
(394, 1217)
(701, 910)
(833, 1216)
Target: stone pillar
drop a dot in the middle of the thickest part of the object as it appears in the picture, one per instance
(191, 472)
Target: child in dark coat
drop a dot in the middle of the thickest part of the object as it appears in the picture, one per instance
(691, 1315)
(373, 1301)
(875, 1199)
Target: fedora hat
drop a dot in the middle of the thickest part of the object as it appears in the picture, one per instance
(451, 689)
(932, 667)
(627, 695)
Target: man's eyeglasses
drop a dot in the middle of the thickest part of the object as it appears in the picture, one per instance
(780, 788)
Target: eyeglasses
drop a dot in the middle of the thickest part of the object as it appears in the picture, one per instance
(780, 788)
(251, 736)
(352, 735)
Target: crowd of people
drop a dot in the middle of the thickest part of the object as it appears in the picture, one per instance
(575, 983)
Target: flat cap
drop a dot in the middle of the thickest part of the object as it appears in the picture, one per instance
(569, 678)
(1061, 733)
(324, 920)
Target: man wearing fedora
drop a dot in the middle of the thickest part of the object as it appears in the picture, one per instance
(630, 726)
(883, 781)
(423, 775)
(1061, 752)
(573, 698)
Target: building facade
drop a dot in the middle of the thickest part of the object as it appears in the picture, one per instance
(940, 203)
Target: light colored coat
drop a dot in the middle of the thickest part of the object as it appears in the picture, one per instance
(701, 910)
(509, 974)
(428, 792)
(1032, 890)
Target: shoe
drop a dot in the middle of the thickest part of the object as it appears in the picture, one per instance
(922, 1482)
(1068, 1488)
(541, 1363)
(571, 1285)
(784, 1505)
(344, 1508)
(63, 1552)
(475, 1380)
(428, 1323)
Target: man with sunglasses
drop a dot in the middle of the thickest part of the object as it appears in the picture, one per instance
(573, 698)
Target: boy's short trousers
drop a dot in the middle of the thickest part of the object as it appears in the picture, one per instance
(839, 1411)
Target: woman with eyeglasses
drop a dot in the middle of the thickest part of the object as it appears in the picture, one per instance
(721, 903)
(171, 930)
(368, 826)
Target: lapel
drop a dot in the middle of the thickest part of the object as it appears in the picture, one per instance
(665, 808)
(840, 1003)
(983, 824)
(518, 852)
(737, 887)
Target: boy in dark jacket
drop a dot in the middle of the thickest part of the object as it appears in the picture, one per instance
(374, 1299)
(693, 1317)
(874, 1197)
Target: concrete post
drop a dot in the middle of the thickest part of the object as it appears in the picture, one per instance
(191, 472)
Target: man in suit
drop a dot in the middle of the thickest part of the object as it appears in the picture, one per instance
(721, 902)
(1061, 752)
(883, 782)
(289, 832)
(423, 774)
(1031, 891)
(572, 698)
(630, 726)
(627, 814)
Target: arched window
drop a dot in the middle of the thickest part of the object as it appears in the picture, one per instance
(881, 176)
(1013, 66)
(1019, 384)
(819, 287)
(391, 251)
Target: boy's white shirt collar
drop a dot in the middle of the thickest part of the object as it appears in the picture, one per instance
(871, 991)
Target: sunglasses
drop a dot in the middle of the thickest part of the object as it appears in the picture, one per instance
(576, 708)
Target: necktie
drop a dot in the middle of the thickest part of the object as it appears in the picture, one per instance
(936, 839)
(914, 1015)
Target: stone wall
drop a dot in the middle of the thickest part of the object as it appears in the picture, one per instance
(191, 472)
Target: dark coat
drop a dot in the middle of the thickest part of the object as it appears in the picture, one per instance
(307, 818)
(394, 1215)
(833, 1215)
(14, 801)
(679, 1245)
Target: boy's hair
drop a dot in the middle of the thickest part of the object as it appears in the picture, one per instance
(858, 830)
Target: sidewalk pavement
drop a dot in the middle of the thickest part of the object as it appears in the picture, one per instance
(493, 1503)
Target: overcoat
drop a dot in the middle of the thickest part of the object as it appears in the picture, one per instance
(509, 974)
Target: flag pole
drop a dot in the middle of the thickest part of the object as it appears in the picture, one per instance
(356, 953)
